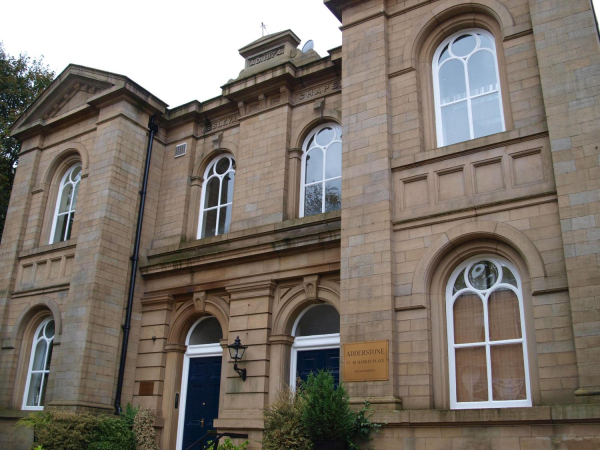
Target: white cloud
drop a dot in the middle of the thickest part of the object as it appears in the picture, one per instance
(180, 50)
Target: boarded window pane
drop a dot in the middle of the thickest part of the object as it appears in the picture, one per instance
(471, 375)
(508, 372)
(505, 319)
(468, 319)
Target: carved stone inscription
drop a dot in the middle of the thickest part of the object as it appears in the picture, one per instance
(323, 89)
(265, 56)
(221, 123)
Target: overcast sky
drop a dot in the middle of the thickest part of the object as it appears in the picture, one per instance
(179, 50)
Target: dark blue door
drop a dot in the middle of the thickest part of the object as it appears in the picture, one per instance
(313, 360)
(202, 401)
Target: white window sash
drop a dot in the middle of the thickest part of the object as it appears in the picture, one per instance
(487, 344)
(469, 98)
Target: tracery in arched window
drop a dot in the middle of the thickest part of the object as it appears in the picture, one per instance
(321, 189)
(217, 197)
(466, 82)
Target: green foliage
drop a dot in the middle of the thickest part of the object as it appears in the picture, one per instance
(326, 413)
(229, 445)
(283, 424)
(62, 430)
(143, 428)
(363, 424)
(65, 430)
(22, 79)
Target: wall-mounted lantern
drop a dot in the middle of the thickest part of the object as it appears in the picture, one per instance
(236, 351)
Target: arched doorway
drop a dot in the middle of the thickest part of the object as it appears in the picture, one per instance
(201, 381)
(316, 343)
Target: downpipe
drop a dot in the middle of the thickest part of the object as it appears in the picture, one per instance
(153, 127)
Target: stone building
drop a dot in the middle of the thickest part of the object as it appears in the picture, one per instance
(432, 184)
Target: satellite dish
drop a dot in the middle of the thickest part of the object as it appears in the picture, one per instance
(308, 46)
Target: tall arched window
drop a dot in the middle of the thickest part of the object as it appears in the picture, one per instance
(487, 351)
(39, 366)
(322, 170)
(217, 197)
(64, 213)
(468, 101)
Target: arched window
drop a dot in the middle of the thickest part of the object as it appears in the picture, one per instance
(468, 101)
(487, 351)
(39, 366)
(64, 213)
(217, 197)
(321, 170)
(316, 342)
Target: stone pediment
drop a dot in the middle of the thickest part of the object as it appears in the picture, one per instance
(69, 94)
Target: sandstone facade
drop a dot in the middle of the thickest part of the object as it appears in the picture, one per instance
(411, 212)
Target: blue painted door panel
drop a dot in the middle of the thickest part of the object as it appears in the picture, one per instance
(202, 402)
(313, 360)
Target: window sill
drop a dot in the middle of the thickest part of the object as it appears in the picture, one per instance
(492, 416)
(71, 243)
(471, 146)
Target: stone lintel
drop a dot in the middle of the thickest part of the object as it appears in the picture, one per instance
(252, 289)
(158, 303)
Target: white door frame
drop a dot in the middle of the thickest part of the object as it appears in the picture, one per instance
(193, 351)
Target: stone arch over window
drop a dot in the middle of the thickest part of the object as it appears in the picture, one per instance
(33, 369)
(295, 156)
(460, 246)
(61, 189)
(312, 291)
(216, 196)
(321, 170)
(420, 52)
(466, 84)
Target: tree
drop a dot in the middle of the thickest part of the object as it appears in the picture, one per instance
(22, 79)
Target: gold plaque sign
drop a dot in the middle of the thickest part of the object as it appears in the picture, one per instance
(366, 361)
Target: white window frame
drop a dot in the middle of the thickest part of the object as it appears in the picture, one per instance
(193, 351)
(450, 299)
(469, 98)
(64, 181)
(219, 205)
(303, 185)
(302, 343)
(46, 373)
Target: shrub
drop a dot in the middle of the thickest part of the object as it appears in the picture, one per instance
(143, 428)
(283, 425)
(326, 413)
(66, 430)
(229, 445)
(363, 424)
(61, 430)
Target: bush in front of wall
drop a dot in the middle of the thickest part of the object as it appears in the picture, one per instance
(143, 428)
(283, 425)
(326, 413)
(66, 430)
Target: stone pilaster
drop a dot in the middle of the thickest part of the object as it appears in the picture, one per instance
(568, 54)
